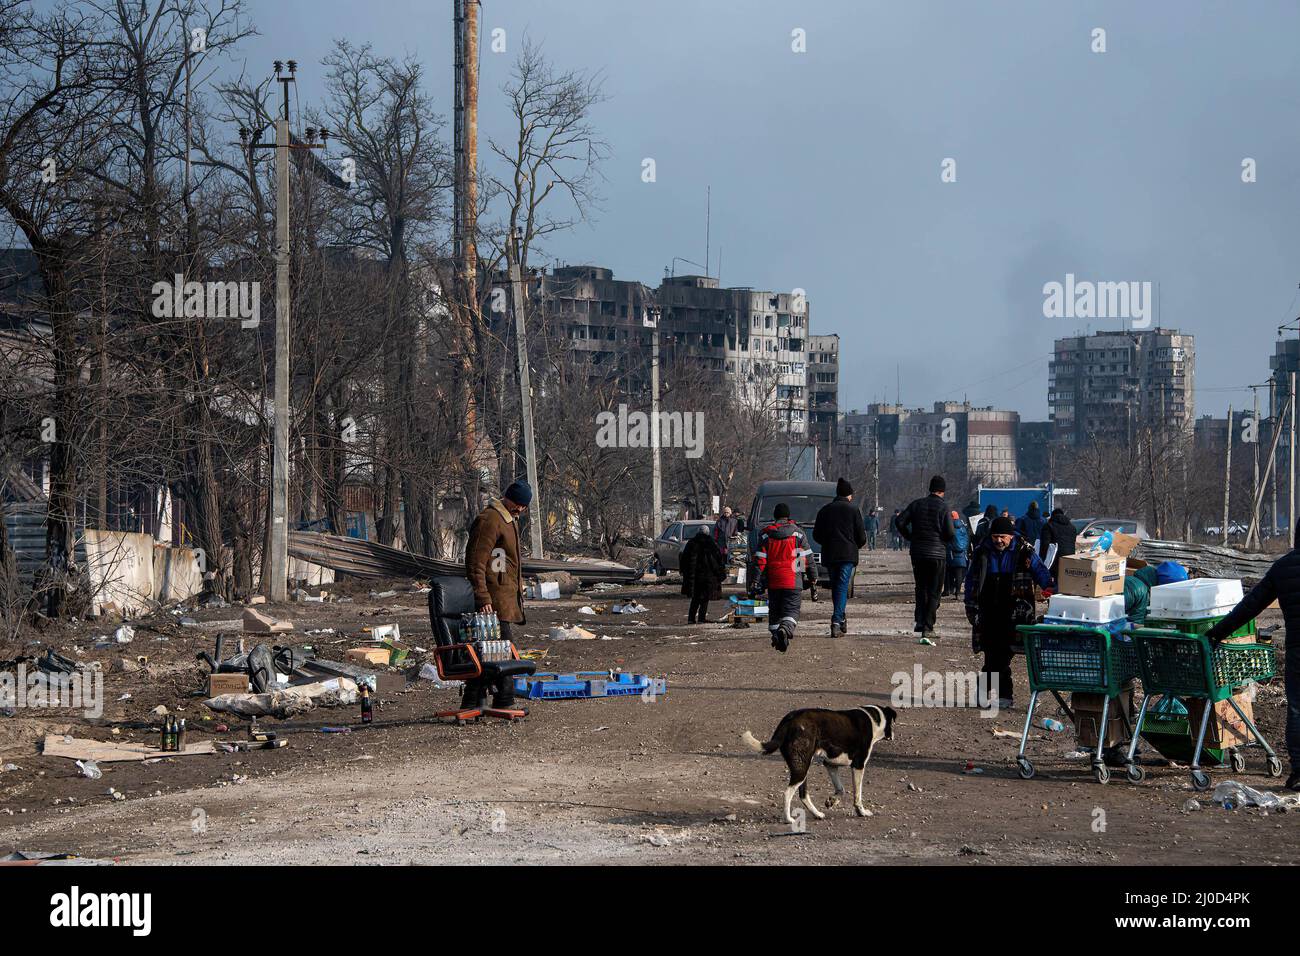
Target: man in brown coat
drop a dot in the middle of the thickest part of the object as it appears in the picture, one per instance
(492, 561)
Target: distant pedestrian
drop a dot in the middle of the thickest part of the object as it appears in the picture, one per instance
(840, 531)
(958, 556)
(927, 526)
(895, 539)
(1030, 524)
(782, 559)
(703, 571)
(724, 529)
(871, 525)
(985, 523)
(1058, 531)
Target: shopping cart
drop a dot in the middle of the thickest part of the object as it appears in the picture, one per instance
(1192, 667)
(1076, 659)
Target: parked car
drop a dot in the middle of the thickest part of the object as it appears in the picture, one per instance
(805, 499)
(1090, 529)
(669, 544)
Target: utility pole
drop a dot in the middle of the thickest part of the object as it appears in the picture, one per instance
(1272, 411)
(513, 249)
(656, 519)
(275, 563)
(875, 462)
(1254, 487)
(465, 226)
(1227, 478)
(1290, 512)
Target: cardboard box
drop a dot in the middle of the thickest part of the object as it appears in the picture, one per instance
(1087, 718)
(1091, 576)
(219, 684)
(375, 656)
(1226, 728)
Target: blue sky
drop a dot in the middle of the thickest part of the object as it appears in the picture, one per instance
(825, 165)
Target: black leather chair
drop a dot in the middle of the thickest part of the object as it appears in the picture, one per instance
(478, 667)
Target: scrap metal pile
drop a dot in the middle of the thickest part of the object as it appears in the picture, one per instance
(371, 560)
(1206, 560)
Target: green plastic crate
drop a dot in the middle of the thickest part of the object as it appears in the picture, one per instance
(1177, 664)
(1085, 660)
(1167, 727)
(1199, 625)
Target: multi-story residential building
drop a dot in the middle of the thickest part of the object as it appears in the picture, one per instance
(823, 388)
(955, 438)
(755, 343)
(1107, 385)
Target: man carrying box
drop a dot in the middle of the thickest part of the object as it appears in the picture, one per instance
(1281, 584)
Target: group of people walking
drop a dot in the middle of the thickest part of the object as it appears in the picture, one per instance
(1007, 562)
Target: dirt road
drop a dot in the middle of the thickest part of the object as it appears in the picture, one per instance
(621, 780)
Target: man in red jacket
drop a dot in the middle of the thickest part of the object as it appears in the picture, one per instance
(782, 558)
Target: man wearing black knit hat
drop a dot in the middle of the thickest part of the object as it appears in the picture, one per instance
(840, 532)
(927, 524)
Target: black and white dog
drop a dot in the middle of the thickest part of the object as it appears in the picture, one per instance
(840, 737)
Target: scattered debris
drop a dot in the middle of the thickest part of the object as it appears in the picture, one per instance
(89, 769)
(60, 745)
(255, 622)
(572, 634)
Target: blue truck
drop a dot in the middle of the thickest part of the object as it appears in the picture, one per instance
(1016, 500)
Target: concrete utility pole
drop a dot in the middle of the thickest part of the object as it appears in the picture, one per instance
(275, 563)
(1254, 488)
(656, 519)
(1227, 477)
(1290, 512)
(513, 249)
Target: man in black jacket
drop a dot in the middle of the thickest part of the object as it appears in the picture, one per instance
(1281, 584)
(1059, 531)
(840, 532)
(927, 525)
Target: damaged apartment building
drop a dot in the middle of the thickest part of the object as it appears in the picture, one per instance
(755, 345)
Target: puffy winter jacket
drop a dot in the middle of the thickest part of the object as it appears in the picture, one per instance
(926, 523)
(840, 532)
(957, 555)
(782, 555)
(1030, 525)
(1060, 532)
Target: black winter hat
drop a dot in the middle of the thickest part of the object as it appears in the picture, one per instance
(991, 511)
(781, 511)
(938, 484)
(843, 488)
(1002, 525)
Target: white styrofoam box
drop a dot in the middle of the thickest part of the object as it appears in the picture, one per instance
(1199, 597)
(1086, 610)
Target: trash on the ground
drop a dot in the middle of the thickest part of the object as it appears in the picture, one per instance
(73, 748)
(376, 656)
(572, 634)
(586, 609)
(160, 711)
(384, 632)
(1190, 806)
(378, 595)
(255, 622)
(1055, 726)
(1231, 794)
(997, 732)
(124, 634)
(585, 684)
(544, 591)
(227, 683)
(290, 701)
(89, 769)
(631, 607)
(927, 642)
(55, 663)
(604, 586)
(429, 672)
(971, 768)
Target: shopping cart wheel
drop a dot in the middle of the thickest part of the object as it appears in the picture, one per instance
(1200, 780)
(1136, 773)
(1102, 773)
(1274, 767)
(1238, 760)
(1025, 768)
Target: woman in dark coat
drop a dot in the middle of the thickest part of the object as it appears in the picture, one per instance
(703, 572)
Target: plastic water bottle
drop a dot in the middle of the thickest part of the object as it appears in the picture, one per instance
(1055, 726)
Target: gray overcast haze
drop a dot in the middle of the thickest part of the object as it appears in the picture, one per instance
(825, 165)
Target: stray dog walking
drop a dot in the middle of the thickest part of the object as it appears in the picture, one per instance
(840, 737)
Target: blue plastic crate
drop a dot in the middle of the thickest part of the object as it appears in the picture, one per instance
(587, 684)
